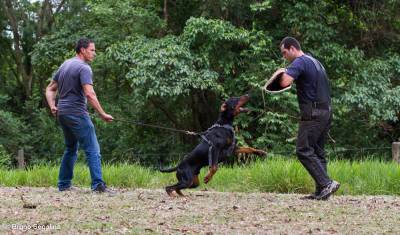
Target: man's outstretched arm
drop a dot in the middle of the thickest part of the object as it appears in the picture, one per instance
(94, 102)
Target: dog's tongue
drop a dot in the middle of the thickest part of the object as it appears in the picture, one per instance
(243, 110)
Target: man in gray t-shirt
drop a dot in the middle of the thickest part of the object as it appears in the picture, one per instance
(73, 82)
(71, 76)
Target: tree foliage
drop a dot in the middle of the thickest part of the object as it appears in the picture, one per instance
(174, 62)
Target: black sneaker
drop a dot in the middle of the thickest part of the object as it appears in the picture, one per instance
(328, 191)
(68, 189)
(102, 188)
(312, 196)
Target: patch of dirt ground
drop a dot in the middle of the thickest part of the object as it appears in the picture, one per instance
(145, 211)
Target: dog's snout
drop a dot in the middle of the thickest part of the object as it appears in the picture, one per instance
(245, 98)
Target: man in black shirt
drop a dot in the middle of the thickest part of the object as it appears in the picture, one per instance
(313, 94)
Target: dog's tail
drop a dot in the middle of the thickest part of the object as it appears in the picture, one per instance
(172, 169)
(160, 163)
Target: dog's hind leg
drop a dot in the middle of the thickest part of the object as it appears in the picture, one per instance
(180, 193)
(170, 190)
(184, 181)
(177, 188)
(195, 182)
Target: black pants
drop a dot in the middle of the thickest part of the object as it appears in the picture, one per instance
(313, 130)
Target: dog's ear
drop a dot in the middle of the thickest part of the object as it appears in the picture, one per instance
(223, 107)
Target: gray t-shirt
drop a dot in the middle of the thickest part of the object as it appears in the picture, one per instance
(71, 75)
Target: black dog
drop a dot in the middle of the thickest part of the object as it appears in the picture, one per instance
(218, 142)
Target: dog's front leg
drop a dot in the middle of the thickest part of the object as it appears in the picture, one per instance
(211, 171)
(249, 150)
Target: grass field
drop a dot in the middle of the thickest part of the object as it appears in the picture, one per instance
(279, 175)
(239, 200)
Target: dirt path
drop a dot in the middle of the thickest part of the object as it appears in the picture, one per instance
(142, 211)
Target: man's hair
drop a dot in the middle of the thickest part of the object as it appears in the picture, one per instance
(287, 42)
(82, 43)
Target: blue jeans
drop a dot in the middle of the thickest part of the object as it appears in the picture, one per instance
(79, 131)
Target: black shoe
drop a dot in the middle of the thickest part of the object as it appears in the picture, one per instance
(68, 189)
(312, 196)
(328, 190)
(102, 188)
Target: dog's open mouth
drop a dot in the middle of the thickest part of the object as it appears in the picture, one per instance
(243, 110)
(242, 102)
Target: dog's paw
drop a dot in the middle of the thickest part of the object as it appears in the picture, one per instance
(207, 179)
(170, 192)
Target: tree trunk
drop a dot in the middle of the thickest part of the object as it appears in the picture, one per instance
(204, 111)
(165, 10)
(195, 112)
(25, 77)
(45, 21)
(167, 113)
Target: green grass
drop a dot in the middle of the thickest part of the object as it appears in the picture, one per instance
(283, 175)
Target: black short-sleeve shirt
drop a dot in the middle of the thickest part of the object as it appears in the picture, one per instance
(310, 78)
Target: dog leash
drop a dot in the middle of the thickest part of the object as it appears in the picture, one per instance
(139, 123)
(201, 134)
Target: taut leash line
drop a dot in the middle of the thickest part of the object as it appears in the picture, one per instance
(201, 134)
(139, 123)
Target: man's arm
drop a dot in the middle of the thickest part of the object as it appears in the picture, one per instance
(51, 92)
(94, 102)
(286, 80)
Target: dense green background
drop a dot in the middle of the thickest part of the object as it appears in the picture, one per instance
(172, 62)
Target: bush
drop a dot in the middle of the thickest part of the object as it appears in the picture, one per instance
(13, 132)
(5, 158)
